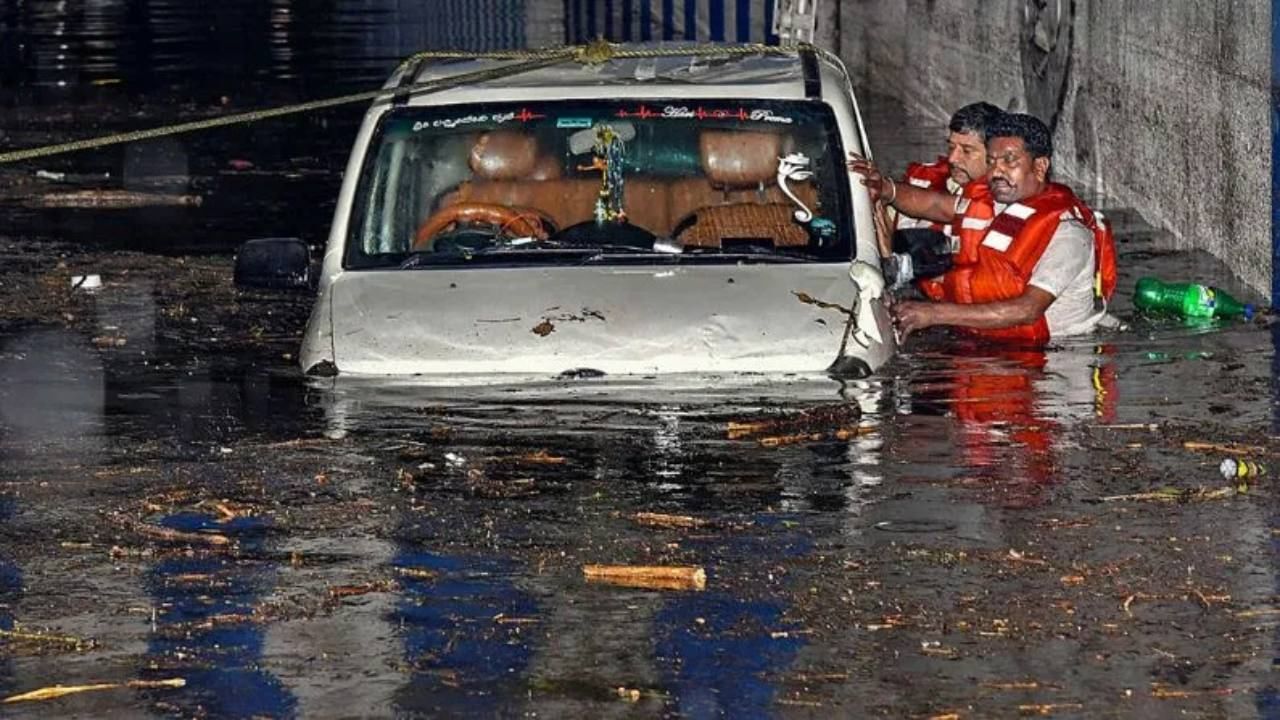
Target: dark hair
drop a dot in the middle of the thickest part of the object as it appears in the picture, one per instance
(1033, 133)
(975, 118)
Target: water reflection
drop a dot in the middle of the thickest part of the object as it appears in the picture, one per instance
(206, 628)
(1008, 411)
(724, 653)
(1267, 697)
(52, 396)
(463, 623)
(10, 591)
(91, 47)
(533, 468)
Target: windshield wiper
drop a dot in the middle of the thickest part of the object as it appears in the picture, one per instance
(751, 253)
(591, 254)
(462, 256)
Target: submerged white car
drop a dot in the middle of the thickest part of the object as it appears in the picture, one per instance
(640, 215)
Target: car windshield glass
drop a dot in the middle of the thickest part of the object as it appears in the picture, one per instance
(666, 181)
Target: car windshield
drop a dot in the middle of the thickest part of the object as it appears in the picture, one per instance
(603, 182)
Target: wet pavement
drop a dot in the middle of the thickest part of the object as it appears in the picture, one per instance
(968, 534)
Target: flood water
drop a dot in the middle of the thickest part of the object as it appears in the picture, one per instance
(969, 533)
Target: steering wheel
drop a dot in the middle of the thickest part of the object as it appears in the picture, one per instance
(512, 221)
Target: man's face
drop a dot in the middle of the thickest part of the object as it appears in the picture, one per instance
(1014, 175)
(967, 155)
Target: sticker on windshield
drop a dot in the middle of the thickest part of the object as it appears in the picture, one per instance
(573, 122)
(684, 112)
(524, 115)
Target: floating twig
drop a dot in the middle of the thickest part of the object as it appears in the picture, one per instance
(1227, 448)
(662, 577)
(798, 703)
(1048, 708)
(1164, 692)
(338, 592)
(542, 457)
(667, 521)
(1176, 495)
(1016, 685)
(56, 691)
(23, 636)
(417, 573)
(1258, 612)
(169, 534)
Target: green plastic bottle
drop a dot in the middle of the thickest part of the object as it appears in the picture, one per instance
(1189, 300)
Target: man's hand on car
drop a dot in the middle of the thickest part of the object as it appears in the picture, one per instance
(912, 315)
(871, 176)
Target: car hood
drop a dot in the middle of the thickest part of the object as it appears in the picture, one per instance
(616, 320)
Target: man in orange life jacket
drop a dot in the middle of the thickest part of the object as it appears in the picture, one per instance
(1030, 253)
(965, 161)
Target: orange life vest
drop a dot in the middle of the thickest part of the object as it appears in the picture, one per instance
(998, 253)
(930, 176)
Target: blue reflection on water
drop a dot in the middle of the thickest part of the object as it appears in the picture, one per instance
(219, 658)
(721, 653)
(463, 661)
(10, 589)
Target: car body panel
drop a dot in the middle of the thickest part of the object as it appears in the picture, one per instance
(759, 318)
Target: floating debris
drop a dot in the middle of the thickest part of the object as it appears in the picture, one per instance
(23, 636)
(668, 521)
(1171, 494)
(1047, 708)
(814, 419)
(56, 691)
(1226, 448)
(339, 592)
(111, 199)
(171, 535)
(660, 577)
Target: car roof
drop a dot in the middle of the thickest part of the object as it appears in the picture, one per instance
(634, 70)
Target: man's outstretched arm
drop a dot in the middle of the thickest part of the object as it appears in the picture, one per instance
(909, 200)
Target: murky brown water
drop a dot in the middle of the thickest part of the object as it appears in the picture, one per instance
(178, 502)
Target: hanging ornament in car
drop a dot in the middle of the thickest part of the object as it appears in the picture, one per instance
(609, 157)
(795, 167)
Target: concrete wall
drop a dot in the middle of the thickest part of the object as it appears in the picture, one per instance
(1162, 106)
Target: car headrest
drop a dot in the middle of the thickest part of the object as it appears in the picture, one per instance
(547, 168)
(733, 158)
(504, 155)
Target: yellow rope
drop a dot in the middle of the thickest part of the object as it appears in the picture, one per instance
(601, 51)
(528, 60)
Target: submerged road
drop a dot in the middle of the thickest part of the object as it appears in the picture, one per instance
(967, 534)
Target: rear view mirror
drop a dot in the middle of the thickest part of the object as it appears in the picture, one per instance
(273, 263)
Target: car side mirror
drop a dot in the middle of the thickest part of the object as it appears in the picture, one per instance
(930, 250)
(276, 263)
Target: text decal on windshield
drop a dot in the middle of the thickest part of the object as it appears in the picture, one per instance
(523, 115)
(683, 112)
